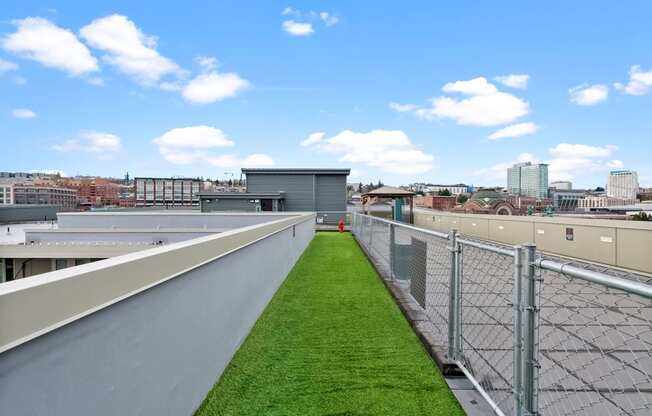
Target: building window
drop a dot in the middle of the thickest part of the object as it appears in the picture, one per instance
(60, 264)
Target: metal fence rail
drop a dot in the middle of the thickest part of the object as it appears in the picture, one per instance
(535, 335)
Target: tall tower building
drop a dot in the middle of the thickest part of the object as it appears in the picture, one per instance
(528, 179)
(622, 184)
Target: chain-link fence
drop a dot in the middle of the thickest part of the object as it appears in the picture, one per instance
(534, 335)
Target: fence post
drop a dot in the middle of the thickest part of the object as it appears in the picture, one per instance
(392, 250)
(454, 301)
(517, 295)
(530, 362)
(371, 231)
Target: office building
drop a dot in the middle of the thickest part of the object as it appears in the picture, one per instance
(622, 184)
(284, 190)
(528, 179)
(562, 185)
(44, 195)
(592, 203)
(167, 192)
(6, 194)
(456, 189)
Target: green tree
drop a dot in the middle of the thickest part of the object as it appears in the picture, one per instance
(444, 192)
(599, 189)
(462, 198)
(641, 216)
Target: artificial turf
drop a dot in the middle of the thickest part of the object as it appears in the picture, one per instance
(331, 342)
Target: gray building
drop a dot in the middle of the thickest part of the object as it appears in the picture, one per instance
(284, 190)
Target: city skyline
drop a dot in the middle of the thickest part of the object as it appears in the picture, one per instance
(426, 96)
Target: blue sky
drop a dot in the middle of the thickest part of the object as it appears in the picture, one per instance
(399, 92)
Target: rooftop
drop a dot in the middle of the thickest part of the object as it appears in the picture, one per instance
(332, 341)
(297, 171)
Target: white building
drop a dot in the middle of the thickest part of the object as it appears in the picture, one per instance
(457, 189)
(622, 184)
(6, 194)
(562, 185)
(593, 202)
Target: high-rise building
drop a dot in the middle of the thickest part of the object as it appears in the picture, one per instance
(622, 184)
(528, 179)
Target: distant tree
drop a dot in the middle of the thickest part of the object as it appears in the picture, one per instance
(380, 184)
(360, 188)
(444, 192)
(641, 216)
(599, 189)
(462, 198)
(230, 183)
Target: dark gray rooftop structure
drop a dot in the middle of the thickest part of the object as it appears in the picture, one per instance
(281, 189)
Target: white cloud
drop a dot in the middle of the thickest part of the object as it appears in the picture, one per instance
(480, 110)
(194, 137)
(565, 150)
(388, 150)
(329, 19)
(314, 138)
(475, 86)
(207, 63)
(297, 28)
(514, 80)
(403, 108)
(515, 130)
(128, 48)
(43, 41)
(211, 87)
(588, 94)
(640, 82)
(24, 113)
(287, 11)
(193, 144)
(566, 162)
(6, 66)
(484, 106)
(102, 144)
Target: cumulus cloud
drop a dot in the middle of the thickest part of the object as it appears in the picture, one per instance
(128, 49)
(6, 66)
(518, 81)
(213, 86)
(314, 138)
(297, 28)
(588, 94)
(565, 162)
(403, 108)
(475, 86)
(482, 105)
(329, 19)
(194, 144)
(54, 47)
(101, 144)
(514, 130)
(391, 151)
(24, 113)
(640, 82)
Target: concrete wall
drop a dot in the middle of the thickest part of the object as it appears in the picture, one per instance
(157, 352)
(142, 220)
(227, 204)
(625, 244)
(25, 213)
(105, 236)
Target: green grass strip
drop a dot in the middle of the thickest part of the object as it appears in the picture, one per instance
(331, 342)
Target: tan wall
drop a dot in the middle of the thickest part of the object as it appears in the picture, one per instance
(626, 244)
